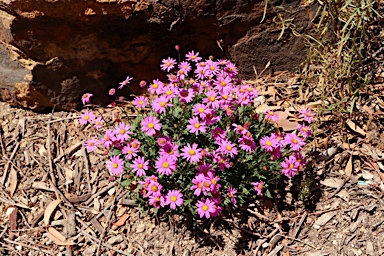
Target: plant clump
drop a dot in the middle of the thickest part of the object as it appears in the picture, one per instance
(197, 146)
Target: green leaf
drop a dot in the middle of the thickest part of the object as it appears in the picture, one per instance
(125, 183)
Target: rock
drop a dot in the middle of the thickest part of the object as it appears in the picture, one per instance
(53, 51)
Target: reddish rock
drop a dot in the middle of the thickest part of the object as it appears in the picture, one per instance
(54, 51)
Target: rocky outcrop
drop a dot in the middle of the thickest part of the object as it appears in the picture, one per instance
(53, 51)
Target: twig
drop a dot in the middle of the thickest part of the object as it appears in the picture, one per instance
(296, 231)
(339, 188)
(3, 232)
(259, 215)
(86, 167)
(300, 241)
(51, 174)
(8, 163)
(60, 195)
(62, 119)
(29, 246)
(107, 222)
(10, 248)
(111, 185)
(276, 250)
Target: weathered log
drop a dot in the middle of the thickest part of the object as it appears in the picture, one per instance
(54, 51)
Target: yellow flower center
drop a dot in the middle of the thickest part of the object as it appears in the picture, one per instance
(211, 99)
(129, 152)
(229, 148)
(197, 125)
(86, 117)
(214, 182)
(295, 141)
(200, 184)
(85, 95)
(140, 166)
(201, 110)
(169, 92)
(223, 83)
(205, 207)
(91, 143)
(168, 64)
(165, 165)
(192, 152)
(207, 184)
(242, 90)
(106, 137)
(155, 86)
(291, 166)
(212, 68)
(260, 186)
(268, 143)
(141, 102)
(154, 188)
(135, 144)
(122, 131)
(173, 198)
(225, 97)
(151, 125)
(115, 165)
(162, 104)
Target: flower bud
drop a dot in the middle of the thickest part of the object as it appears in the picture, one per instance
(177, 47)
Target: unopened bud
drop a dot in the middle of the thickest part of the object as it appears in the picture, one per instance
(177, 47)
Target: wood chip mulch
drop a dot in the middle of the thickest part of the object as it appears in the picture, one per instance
(57, 199)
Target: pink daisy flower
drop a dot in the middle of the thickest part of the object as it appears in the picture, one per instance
(154, 188)
(192, 153)
(231, 69)
(125, 82)
(211, 100)
(192, 56)
(218, 133)
(258, 186)
(185, 66)
(290, 166)
(98, 122)
(135, 144)
(186, 95)
(205, 208)
(294, 141)
(304, 131)
(168, 64)
(198, 186)
(86, 98)
(227, 148)
(112, 91)
(92, 144)
(174, 198)
(165, 165)
(247, 144)
(122, 131)
(270, 115)
(129, 151)
(108, 139)
(268, 143)
(156, 87)
(87, 117)
(170, 92)
(232, 194)
(195, 126)
(170, 149)
(157, 200)
(115, 165)
(307, 115)
(160, 104)
(140, 102)
(139, 166)
(200, 109)
(204, 168)
(150, 125)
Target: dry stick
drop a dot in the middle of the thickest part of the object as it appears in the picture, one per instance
(62, 119)
(28, 246)
(339, 188)
(111, 185)
(296, 231)
(94, 239)
(3, 232)
(61, 195)
(86, 167)
(8, 163)
(51, 174)
(276, 250)
(107, 223)
(300, 241)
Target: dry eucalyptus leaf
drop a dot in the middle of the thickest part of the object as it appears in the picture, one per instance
(349, 167)
(42, 150)
(50, 209)
(12, 182)
(332, 182)
(356, 128)
(284, 123)
(323, 219)
(122, 220)
(57, 237)
(343, 194)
